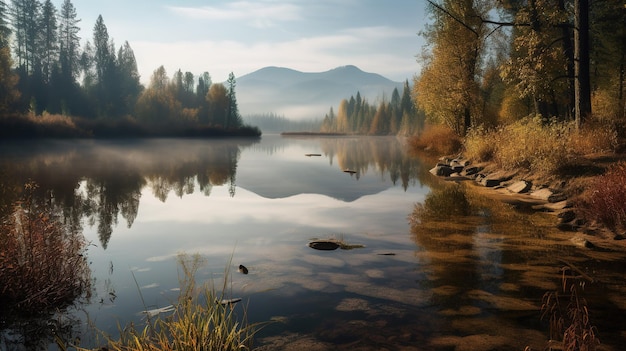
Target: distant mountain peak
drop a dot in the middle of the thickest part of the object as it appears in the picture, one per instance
(298, 95)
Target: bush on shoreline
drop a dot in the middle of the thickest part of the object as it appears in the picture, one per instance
(534, 145)
(604, 202)
(437, 139)
(42, 263)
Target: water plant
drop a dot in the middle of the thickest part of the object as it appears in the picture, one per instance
(198, 321)
(568, 314)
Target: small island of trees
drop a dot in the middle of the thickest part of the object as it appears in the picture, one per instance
(50, 86)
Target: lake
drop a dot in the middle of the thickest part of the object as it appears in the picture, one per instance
(447, 283)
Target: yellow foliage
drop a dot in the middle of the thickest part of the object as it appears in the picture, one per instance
(513, 108)
(605, 105)
(527, 144)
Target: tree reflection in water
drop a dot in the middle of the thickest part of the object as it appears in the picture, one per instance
(359, 154)
(101, 181)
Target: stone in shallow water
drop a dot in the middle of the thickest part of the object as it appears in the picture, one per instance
(325, 245)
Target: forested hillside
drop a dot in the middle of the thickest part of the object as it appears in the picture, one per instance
(46, 77)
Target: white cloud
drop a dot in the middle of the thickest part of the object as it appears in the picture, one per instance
(310, 54)
(379, 33)
(256, 14)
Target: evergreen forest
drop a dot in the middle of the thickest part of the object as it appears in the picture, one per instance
(50, 85)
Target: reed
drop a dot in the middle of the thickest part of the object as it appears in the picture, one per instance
(199, 320)
(568, 314)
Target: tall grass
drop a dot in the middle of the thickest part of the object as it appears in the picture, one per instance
(42, 262)
(199, 320)
(540, 146)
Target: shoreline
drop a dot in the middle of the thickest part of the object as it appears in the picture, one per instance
(524, 190)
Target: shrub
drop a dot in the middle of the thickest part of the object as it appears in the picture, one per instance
(531, 143)
(534, 145)
(438, 139)
(42, 266)
(605, 199)
(480, 144)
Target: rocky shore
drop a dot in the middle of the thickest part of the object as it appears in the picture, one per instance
(521, 191)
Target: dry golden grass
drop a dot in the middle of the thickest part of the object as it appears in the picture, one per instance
(539, 146)
(437, 139)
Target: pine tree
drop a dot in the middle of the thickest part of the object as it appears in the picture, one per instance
(5, 31)
(8, 80)
(49, 40)
(106, 92)
(233, 118)
(69, 43)
(129, 85)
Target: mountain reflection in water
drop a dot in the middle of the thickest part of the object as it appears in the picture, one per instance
(466, 274)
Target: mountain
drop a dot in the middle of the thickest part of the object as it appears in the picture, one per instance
(307, 95)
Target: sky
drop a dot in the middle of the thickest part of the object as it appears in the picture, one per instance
(220, 36)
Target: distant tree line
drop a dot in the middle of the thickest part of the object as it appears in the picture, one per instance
(45, 71)
(357, 116)
(272, 122)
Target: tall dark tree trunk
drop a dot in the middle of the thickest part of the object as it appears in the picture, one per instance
(582, 85)
(622, 73)
(568, 49)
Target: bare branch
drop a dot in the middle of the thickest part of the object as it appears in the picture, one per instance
(453, 17)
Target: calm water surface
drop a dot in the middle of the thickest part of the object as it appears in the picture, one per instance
(449, 283)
